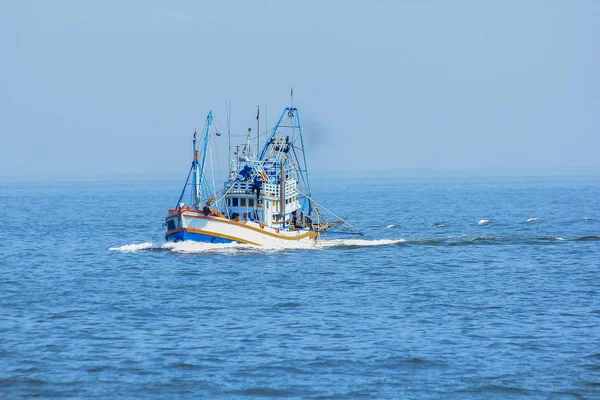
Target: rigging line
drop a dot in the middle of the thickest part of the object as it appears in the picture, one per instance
(266, 124)
(244, 136)
(184, 186)
(331, 212)
(303, 179)
(212, 170)
(299, 174)
(228, 190)
(216, 150)
(215, 125)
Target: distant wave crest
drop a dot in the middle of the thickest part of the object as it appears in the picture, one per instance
(588, 239)
(484, 222)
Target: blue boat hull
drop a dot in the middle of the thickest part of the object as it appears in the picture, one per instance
(196, 237)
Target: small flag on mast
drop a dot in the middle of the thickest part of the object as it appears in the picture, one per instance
(194, 134)
(257, 112)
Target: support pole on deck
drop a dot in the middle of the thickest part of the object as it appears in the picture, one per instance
(282, 192)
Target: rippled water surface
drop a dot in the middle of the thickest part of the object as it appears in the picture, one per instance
(459, 289)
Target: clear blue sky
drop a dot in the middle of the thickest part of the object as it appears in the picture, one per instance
(117, 87)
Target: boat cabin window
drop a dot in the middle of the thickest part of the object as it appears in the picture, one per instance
(228, 202)
(250, 202)
(242, 202)
(170, 225)
(235, 202)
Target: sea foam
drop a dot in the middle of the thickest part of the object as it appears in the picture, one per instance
(201, 247)
(132, 247)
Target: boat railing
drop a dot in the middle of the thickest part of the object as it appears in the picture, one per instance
(245, 187)
(268, 170)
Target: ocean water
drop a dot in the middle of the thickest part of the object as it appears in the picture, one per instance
(460, 288)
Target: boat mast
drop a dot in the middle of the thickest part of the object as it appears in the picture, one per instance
(195, 167)
(200, 171)
(257, 130)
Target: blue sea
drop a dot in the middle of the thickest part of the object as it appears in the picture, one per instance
(461, 288)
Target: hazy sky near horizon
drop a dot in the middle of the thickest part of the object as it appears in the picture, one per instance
(117, 87)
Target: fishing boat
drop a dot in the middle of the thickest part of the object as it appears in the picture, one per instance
(266, 199)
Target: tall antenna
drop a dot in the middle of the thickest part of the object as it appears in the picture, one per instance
(257, 130)
(248, 147)
(228, 111)
(292, 97)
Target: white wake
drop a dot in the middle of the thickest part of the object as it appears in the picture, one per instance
(325, 244)
(201, 247)
(132, 247)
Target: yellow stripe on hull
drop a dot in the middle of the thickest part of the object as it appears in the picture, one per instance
(220, 235)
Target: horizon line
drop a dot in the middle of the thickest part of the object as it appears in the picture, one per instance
(483, 172)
